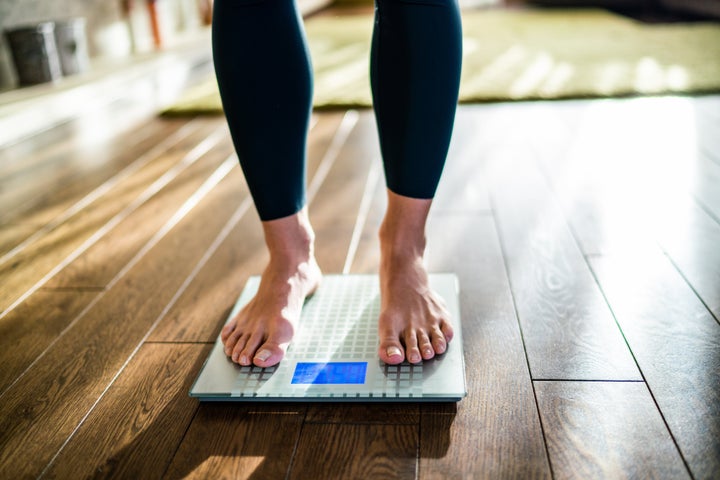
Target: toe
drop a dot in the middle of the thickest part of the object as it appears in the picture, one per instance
(426, 349)
(412, 353)
(227, 330)
(231, 341)
(438, 341)
(391, 351)
(246, 354)
(237, 352)
(446, 329)
(269, 354)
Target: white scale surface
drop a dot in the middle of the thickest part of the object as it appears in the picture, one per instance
(333, 356)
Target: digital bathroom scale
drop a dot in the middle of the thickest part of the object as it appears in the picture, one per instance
(333, 356)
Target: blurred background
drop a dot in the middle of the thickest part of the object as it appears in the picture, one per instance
(122, 28)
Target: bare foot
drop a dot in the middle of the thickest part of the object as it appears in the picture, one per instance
(262, 331)
(414, 323)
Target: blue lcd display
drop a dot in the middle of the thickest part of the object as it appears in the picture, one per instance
(330, 373)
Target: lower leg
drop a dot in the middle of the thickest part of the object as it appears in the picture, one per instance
(414, 323)
(415, 75)
(265, 81)
(261, 332)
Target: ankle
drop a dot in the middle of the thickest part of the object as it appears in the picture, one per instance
(402, 232)
(290, 240)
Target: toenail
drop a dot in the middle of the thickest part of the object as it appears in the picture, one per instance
(263, 355)
(243, 360)
(393, 352)
(415, 357)
(428, 352)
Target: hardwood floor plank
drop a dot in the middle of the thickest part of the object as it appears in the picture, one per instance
(463, 185)
(13, 234)
(606, 430)
(692, 245)
(135, 429)
(30, 328)
(202, 309)
(59, 389)
(361, 413)
(366, 258)
(80, 135)
(676, 342)
(335, 451)
(55, 211)
(36, 186)
(498, 420)
(334, 210)
(568, 330)
(229, 441)
(25, 344)
(615, 206)
(339, 195)
(31, 268)
(636, 183)
(99, 264)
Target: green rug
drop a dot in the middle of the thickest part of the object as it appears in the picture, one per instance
(521, 55)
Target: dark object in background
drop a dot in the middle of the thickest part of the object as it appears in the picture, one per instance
(34, 53)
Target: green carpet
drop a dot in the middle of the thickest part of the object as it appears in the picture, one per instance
(521, 55)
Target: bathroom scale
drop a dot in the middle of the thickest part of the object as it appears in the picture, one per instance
(333, 355)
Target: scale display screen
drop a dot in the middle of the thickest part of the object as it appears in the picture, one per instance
(330, 373)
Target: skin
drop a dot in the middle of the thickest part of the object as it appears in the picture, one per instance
(413, 322)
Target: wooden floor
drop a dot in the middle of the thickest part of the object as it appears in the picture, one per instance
(586, 236)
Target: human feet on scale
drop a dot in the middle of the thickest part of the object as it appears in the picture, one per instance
(414, 323)
(261, 332)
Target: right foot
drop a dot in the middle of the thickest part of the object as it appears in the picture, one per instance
(260, 334)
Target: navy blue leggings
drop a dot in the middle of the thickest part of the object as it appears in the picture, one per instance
(265, 78)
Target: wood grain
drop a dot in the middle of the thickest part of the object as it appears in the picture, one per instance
(227, 441)
(606, 430)
(495, 432)
(463, 185)
(11, 234)
(28, 330)
(32, 264)
(103, 260)
(137, 426)
(37, 185)
(692, 245)
(635, 178)
(59, 390)
(568, 330)
(676, 342)
(355, 451)
(361, 413)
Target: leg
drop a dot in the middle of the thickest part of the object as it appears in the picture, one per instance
(265, 80)
(415, 75)
(262, 330)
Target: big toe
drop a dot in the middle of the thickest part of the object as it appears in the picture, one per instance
(391, 352)
(269, 354)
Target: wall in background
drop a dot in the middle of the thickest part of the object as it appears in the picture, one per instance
(111, 31)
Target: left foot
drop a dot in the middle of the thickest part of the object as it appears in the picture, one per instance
(414, 323)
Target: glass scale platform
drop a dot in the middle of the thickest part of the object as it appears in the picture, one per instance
(333, 357)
